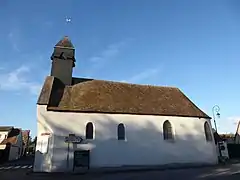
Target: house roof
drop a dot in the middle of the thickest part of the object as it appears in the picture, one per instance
(10, 140)
(12, 137)
(65, 42)
(6, 128)
(89, 95)
(238, 130)
(217, 137)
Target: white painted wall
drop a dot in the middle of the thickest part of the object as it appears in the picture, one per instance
(13, 154)
(144, 144)
(3, 135)
(16, 149)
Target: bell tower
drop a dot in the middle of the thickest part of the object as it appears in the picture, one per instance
(63, 60)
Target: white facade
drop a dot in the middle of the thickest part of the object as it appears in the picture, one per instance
(16, 149)
(15, 152)
(3, 135)
(144, 143)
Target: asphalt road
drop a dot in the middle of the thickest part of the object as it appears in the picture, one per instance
(227, 172)
(24, 161)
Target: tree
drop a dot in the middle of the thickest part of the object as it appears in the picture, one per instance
(35, 141)
(32, 145)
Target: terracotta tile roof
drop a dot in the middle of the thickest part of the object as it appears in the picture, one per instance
(237, 134)
(65, 42)
(12, 137)
(6, 128)
(88, 95)
(10, 140)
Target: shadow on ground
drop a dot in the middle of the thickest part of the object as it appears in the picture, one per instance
(25, 160)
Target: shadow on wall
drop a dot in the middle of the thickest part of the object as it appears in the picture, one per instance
(145, 144)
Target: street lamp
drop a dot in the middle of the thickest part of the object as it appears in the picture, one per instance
(215, 111)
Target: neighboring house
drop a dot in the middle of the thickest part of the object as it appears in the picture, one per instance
(228, 138)
(25, 136)
(118, 124)
(237, 135)
(217, 137)
(10, 143)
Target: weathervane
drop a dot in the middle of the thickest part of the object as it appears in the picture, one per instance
(68, 20)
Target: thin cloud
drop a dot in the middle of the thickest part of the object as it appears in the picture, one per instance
(48, 24)
(14, 42)
(144, 75)
(17, 80)
(234, 120)
(109, 53)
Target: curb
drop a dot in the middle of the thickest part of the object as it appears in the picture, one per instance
(120, 170)
(150, 169)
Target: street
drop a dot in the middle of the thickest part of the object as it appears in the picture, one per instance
(23, 163)
(22, 170)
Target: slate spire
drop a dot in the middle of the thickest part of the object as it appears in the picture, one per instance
(65, 42)
(63, 60)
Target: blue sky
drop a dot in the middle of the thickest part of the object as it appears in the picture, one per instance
(194, 45)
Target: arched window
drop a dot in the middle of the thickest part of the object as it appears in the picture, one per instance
(207, 131)
(121, 132)
(167, 130)
(89, 131)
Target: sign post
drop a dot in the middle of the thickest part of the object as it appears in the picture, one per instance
(71, 138)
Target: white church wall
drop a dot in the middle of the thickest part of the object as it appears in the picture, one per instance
(144, 144)
(44, 146)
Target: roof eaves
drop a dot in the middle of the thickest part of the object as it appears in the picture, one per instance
(56, 109)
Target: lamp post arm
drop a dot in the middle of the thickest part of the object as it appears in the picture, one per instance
(216, 109)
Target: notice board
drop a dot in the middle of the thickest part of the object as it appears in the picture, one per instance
(81, 158)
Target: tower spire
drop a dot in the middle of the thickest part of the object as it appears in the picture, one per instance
(63, 60)
(65, 42)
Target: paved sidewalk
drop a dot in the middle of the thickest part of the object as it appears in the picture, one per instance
(223, 172)
(136, 169)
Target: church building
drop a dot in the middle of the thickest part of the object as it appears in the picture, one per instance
(98, 123)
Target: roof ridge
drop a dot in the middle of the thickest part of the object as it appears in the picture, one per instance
(129, 83)
(151, 85)
(65, 42)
